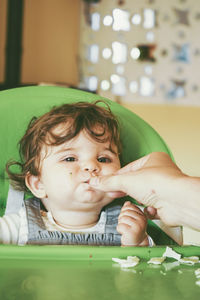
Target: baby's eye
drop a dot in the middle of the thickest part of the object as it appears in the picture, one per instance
(70, 158)
(104, 159)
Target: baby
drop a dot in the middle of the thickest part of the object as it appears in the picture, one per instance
(60, 152)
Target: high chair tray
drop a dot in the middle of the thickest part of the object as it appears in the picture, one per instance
(83, 272)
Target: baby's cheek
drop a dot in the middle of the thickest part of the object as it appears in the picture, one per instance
(110, 170)
(117, 167)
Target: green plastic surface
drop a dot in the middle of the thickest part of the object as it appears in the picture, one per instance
(71, 272)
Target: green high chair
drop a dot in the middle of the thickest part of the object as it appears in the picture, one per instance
(18, 106)
(84, 272)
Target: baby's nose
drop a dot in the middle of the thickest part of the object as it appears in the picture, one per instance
(91, 167)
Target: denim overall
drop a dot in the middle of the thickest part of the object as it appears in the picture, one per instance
(38, 234)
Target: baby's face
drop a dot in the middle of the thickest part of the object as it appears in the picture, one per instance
(67, 169)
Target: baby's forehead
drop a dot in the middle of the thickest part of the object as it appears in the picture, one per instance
(83, 136)
(66, 129)
(70, 124)
(81, 141)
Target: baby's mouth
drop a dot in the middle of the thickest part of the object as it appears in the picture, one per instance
(87, 184)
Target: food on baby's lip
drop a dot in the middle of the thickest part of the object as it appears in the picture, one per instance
(156, 260)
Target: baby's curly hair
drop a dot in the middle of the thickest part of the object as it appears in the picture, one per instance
(41, 131)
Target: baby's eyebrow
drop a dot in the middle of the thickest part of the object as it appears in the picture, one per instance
(64, 150)
(73, 149)
(110, 150)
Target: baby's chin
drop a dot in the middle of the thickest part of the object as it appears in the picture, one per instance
(88, 195)
(91, 196)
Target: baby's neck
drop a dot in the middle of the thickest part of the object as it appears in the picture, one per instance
(75, 220)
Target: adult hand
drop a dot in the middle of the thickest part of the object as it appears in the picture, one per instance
(156, 182)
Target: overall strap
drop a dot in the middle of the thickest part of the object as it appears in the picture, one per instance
(34, 219)
(112, 214)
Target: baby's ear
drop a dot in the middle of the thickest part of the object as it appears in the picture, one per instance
(35, 186)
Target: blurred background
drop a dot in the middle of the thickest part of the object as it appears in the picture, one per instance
(144, 54)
